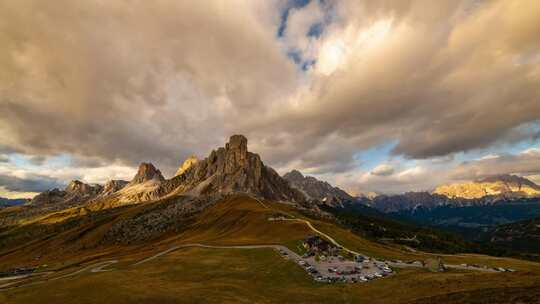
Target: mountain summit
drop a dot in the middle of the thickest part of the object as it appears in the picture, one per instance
(233, 169)
(146, 172)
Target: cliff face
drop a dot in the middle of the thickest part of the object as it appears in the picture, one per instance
(233, 169)
(146, 172)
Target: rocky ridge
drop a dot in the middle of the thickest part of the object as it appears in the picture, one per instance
(228, 169)
(317, 190)
(75, 191)
(232, 169)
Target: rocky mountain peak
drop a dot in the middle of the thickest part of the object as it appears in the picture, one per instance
(77, 187)
(294, 176)
(74, 186)
(236, 150)
(233, 169)
(317, 190)
(112, 186)
(147, 172)
(188, 163)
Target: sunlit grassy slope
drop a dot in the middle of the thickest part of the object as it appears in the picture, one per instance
(195, 275)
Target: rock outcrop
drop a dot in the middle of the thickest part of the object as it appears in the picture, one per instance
(190, 161)
(78, 188)
(146, 172)
(112, 186)
(233, 169)
(315, 189)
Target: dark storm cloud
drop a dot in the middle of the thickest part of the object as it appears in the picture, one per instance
(29, 184)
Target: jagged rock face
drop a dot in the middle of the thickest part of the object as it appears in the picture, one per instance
(233, 169)
(190, 161)
(79, 188)
(318, 190)
(112, 186)
(145, 186)
(146, 172)
(501, 185)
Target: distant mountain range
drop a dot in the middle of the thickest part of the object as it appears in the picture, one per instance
(8, 202)
(492, 190)
(501, 185)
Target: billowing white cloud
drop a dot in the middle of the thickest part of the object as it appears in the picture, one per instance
(382, 170)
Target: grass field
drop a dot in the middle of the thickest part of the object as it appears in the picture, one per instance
(197, 275)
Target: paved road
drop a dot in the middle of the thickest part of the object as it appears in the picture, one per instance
(97, 267)
(308, 223)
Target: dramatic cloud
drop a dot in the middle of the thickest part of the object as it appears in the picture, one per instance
(425, 175)
(383, 170)
(30, 184)
(439, 77)
(311, 83)
(525, 163)
(135, 80)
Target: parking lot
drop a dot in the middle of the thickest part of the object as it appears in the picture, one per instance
(337, 269)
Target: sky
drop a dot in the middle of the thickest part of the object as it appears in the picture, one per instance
(383, 96)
